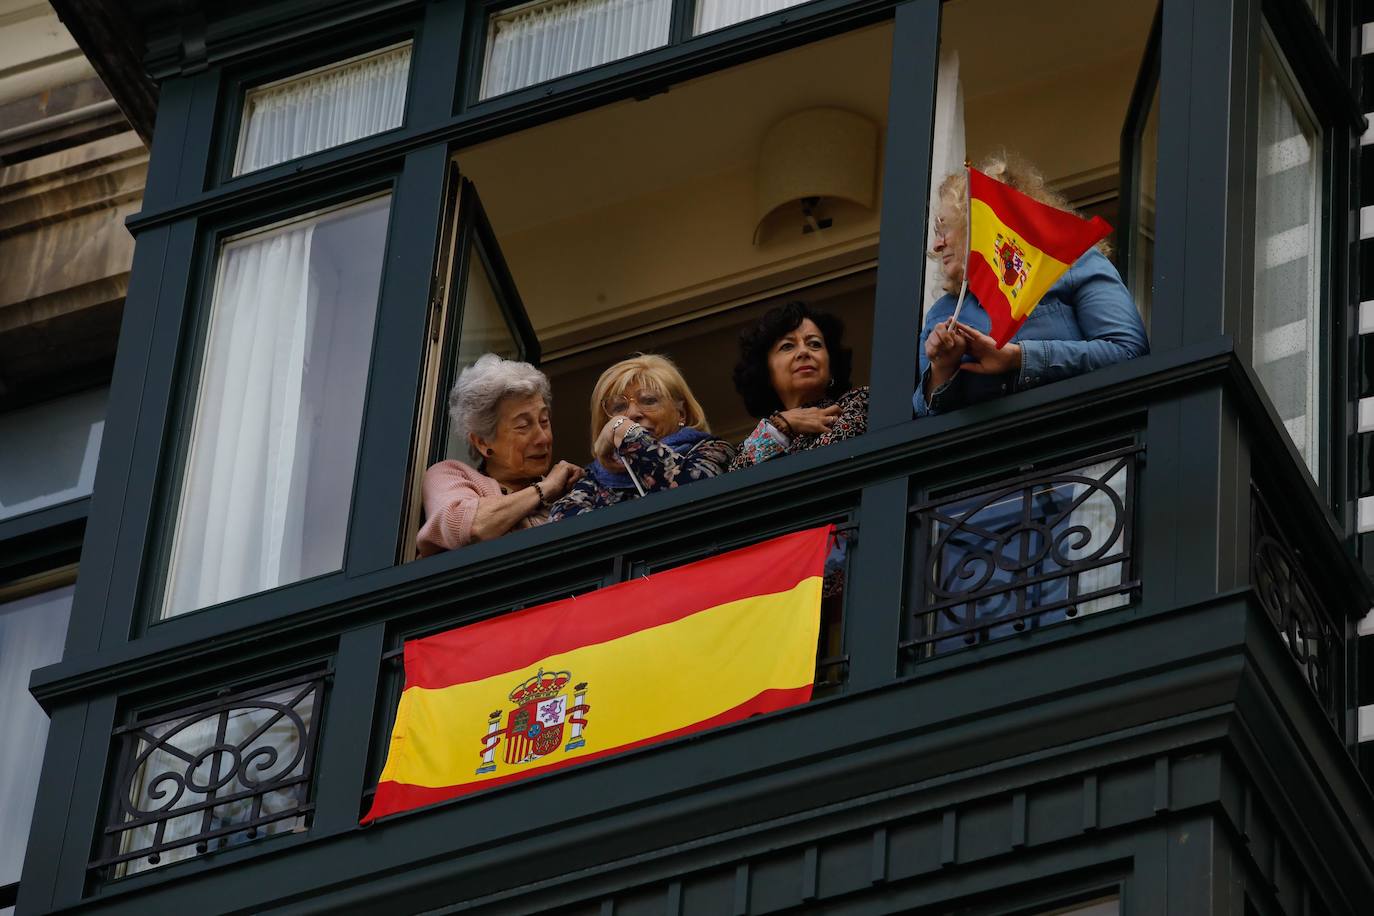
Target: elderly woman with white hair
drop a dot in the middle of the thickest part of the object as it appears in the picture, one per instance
(503, 405)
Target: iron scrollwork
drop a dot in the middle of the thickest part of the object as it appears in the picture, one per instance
(1290, 599)
(212, 775)
(1025, 552)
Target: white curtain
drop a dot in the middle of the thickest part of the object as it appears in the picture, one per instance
(329, 108)
(548, 40)
(717, 14)
(240, 525)
(33, 631)
(946, 155)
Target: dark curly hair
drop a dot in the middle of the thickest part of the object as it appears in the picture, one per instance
(752, 379)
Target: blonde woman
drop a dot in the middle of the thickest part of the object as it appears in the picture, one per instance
(648, 434)
(1086, 321)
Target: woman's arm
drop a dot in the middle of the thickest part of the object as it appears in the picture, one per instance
(658, 467)
(853, 417)
(765, 442)
(579, 499)
(457, 512)
(1111, 327)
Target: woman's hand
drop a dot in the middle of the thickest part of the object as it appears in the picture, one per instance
(945, 349)
(987, 359)
(609, 439)
(559, 480)
(810, 421)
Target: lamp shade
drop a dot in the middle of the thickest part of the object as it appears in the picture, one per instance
(816, 153)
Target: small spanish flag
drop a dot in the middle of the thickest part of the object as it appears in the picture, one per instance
(576, 680)
(1018, 249)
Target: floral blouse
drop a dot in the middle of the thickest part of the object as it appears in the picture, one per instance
(658, 467)
(766, 441)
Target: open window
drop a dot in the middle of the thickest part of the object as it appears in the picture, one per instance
(667, 224)
(1086, 115)
(475, 309)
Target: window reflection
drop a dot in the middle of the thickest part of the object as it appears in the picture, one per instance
(33, 631)
(50, 451)
(1287, 326)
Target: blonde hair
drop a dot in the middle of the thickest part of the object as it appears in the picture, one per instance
(646, 370)
(1013, 171)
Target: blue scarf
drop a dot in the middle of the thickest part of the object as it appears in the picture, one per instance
(679, 441)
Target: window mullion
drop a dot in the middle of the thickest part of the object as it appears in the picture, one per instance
(901, 250)
(384, 449)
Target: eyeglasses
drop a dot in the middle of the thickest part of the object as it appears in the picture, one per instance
(942, 229)
(648, 401)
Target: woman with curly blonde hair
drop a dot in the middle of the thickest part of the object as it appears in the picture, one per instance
(1086, 321)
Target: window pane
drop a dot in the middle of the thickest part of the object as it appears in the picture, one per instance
(1142, 260)
(483, 330)
(50, 452)
(1287, 353)
(32, 633)
(324, 108)
(542, 41)
(717, 14)
(269, 471)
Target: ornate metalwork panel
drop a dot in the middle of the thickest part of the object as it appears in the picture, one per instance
(1293, 603)
(1025, 552)
(212, 776)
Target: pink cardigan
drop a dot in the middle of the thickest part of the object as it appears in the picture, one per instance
(451, 490)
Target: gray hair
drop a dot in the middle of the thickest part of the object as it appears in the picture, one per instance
(474, 404)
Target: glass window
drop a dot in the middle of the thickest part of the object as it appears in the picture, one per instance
(484, 329)
(33, 631)
(325, 107)
(50, 451)
(541, 41)
(269, 468)
(717, 14)
(1287, 325)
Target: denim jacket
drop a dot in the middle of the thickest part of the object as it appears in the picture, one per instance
(1086, 321)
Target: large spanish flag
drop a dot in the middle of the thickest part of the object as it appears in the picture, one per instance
(579, 679)
(1018, 249)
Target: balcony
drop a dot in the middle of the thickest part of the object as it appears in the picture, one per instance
(1027, 624)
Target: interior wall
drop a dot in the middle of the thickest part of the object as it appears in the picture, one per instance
(705, 350)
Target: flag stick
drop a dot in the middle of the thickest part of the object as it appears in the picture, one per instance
(633, 479)
(968, 241)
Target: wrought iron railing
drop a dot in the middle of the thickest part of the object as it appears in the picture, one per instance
(213, 775)
(1294, 605)
(1024, 552)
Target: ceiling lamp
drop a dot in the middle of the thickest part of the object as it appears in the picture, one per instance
(808, 161)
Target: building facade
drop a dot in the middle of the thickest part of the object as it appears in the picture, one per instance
(1099, 644)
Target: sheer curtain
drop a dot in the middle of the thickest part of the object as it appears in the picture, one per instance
(323, 109)
(269, 469)
(543, 41)
(239, 530)
(33, 631)
(1287, 353)
(717, 14)
(946, 155)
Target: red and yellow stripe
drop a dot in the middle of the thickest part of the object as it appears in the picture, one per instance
(1050, 241)
(678, 652)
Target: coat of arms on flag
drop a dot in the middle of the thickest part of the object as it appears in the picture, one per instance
(503, 699)
(534, 728)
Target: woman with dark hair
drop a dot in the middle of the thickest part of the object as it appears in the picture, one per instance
(794, 375)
